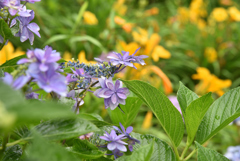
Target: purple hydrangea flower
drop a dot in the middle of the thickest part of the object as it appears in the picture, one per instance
(52, 81)
(115, 141)
(233, 153)
(17, 83)
(41, 60)
(31, 1)
(32, 95)
(131, 140)
(124, 59)
(116, 153)
(113, 94)
(26, 28)
(15, 7)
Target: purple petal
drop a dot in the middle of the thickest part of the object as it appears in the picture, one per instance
(121, 95)
(107, 102)
(112, 106)
(125, 55)
(122, 127)
(129, 129)
(121, 147)
(8, 78)
(104, 138)
(112, 146)
(43, 67)
(102, 93)
(123, 90)
(34, 28)
(110, 84)
(118, 84)
(22, 61)
(115, 127)
(130, 147)
(20, 82)
(121, 101)
(113, 134)
(114, 99)
(136, 51)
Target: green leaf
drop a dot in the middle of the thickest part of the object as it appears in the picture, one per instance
(86, 150)
(9, 96)
(55, 38)
(12, 62)
(12, 153)
(87, 38)
(161, 151)
(131, 109)
(195, 113)
(35, 111)
(144, 153)
(61, 61)
(208, 154)
(164, 110)
(64, 129)
(5, 31)
(223, 111)
(42, 150)
(94, 118)
(185, 96)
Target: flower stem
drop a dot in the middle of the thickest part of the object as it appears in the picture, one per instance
(190, 155)
(185, 150)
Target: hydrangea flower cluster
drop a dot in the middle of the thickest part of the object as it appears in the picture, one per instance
(13, 11)
(116, 143)
(233, 153)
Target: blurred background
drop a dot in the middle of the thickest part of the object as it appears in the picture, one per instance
(193, 41)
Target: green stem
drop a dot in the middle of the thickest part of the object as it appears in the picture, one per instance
(176, 152)
(4, 143)
(11, 144)
(185, 150)
(190, 155)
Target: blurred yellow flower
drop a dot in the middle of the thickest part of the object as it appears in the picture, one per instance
(152, 11)
(131, 47)
(119, 20)
(220, 14)
(67, 56)
(147, 122)
(120, 8)
(8, 53)
(82, 58)
(160, 52)
(89, 18)
(183, 14)
(140, 36)
(211, 54)
(226, 2)
(234, 13)
(127, 27)
(151, 43)
(209, 82)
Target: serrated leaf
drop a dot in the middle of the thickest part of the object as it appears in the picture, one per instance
(64, 129)
(85, 150)
(130, 112)
(168, 116)
(12, 62)
(94, 118)
(5, 31)
(42, 150)
(161, 151)
(143, 153)
(12, 153)
(223, 111)
(185, 96)
(195, 113)
(208, 154)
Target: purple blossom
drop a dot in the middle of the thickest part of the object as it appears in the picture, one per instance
(113, 94)
(32, 95)
(124, 59)
(131, 140)
(116, 153)
(31, 1)
(26, 28)
(41, 60)
(115, 141)
(52, 81)
(17, 83)
(15, 7)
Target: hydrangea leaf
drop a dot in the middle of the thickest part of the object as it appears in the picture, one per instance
(12, 153)
(208, 154)
(94, 118)
(130, 112)
(143, 153)
(223, 111)
(41, 149)
(63, 129)
(185, 96)
(5, 31)
(85, 150)
(12, 62)
(168, 116)
(195, 113)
